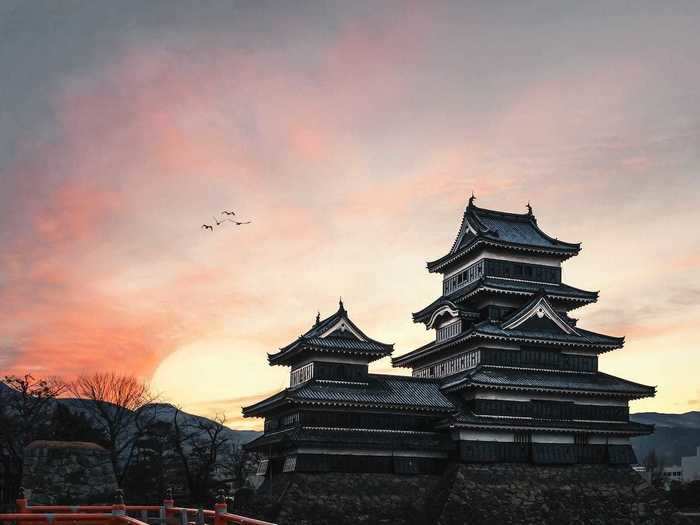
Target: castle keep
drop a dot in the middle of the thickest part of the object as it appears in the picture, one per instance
(510, 376)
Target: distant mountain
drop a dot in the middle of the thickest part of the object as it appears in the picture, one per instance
(161, 411)
(165, 412)
(676, 435)
(687, 420)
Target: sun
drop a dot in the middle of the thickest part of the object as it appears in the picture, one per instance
(217, 373)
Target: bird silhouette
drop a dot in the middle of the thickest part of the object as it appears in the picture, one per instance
(218, 222)
(208, 227)
(239, 223)
(228, 212)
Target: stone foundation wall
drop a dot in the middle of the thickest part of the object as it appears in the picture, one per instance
(533, 494)
(336, 499)
(68, 472)
(466, 494)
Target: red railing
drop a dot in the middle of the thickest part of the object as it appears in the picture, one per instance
(117, 514)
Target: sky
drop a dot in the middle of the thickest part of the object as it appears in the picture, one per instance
(351, 134)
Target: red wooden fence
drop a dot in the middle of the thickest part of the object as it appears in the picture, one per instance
(121, 514)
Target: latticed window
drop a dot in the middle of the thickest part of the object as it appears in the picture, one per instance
(301, 374)
(262, 467)
(581, 439)
(451, 366)
(290, 464)
(522, 438)
(290, 419)
(463, 278)
(448, 331)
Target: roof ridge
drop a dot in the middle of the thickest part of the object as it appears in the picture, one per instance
(525, 217)
(407, 378)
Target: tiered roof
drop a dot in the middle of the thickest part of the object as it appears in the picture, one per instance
(550, 328)
(550, 381)
(465, 419)
(378, 391)
(562, 293)
(490, 228)
(352, 438)
(336, 334)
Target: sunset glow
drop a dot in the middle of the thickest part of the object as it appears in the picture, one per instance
(352, 138)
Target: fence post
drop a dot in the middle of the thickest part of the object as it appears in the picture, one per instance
(118, 507)
(21, 501)
(168, 503)
(200, 516)
(220, 509)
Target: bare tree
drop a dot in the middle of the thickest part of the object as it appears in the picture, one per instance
(118, 406)
(654, 465)
(26, 406)
(202, 446)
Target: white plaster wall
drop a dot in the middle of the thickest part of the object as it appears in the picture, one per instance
(691, 467)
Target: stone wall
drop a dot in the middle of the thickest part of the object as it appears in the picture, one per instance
(67, 472)
(534, 494)
(466, 494)
(336, 499)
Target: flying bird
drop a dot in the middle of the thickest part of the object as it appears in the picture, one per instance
(208, 227)
(228, 212)
(218, 222)
(239, 223)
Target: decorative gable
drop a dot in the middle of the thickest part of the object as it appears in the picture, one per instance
(539, 315)
(344, 330)
(466, 233)
(448, 310)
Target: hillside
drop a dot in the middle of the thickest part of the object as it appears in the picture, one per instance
(165, 412)
(162, 412)
(676, 435)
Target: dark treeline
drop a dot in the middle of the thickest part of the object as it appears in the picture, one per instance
(152, 445)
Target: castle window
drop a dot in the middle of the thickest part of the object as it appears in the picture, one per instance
(262, 467)
(290, 464)
(522, 438)
(290, 419)
(301, 374)
(448, 331)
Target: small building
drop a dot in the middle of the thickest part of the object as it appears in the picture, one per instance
(671, 474)
(690, 465)
(508, 377)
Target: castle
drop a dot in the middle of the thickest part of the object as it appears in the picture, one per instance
(510, 376)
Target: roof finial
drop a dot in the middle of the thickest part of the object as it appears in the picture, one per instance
(529, 208)
(341, 307)
(318, 318)
(472, 199)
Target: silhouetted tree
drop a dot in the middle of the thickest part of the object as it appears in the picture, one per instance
(655, 466)
(26, 405)
(154, 464)
(67, 425)
(202, 446)
(117, 406)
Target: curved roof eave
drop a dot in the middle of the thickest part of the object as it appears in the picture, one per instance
(563, 252)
